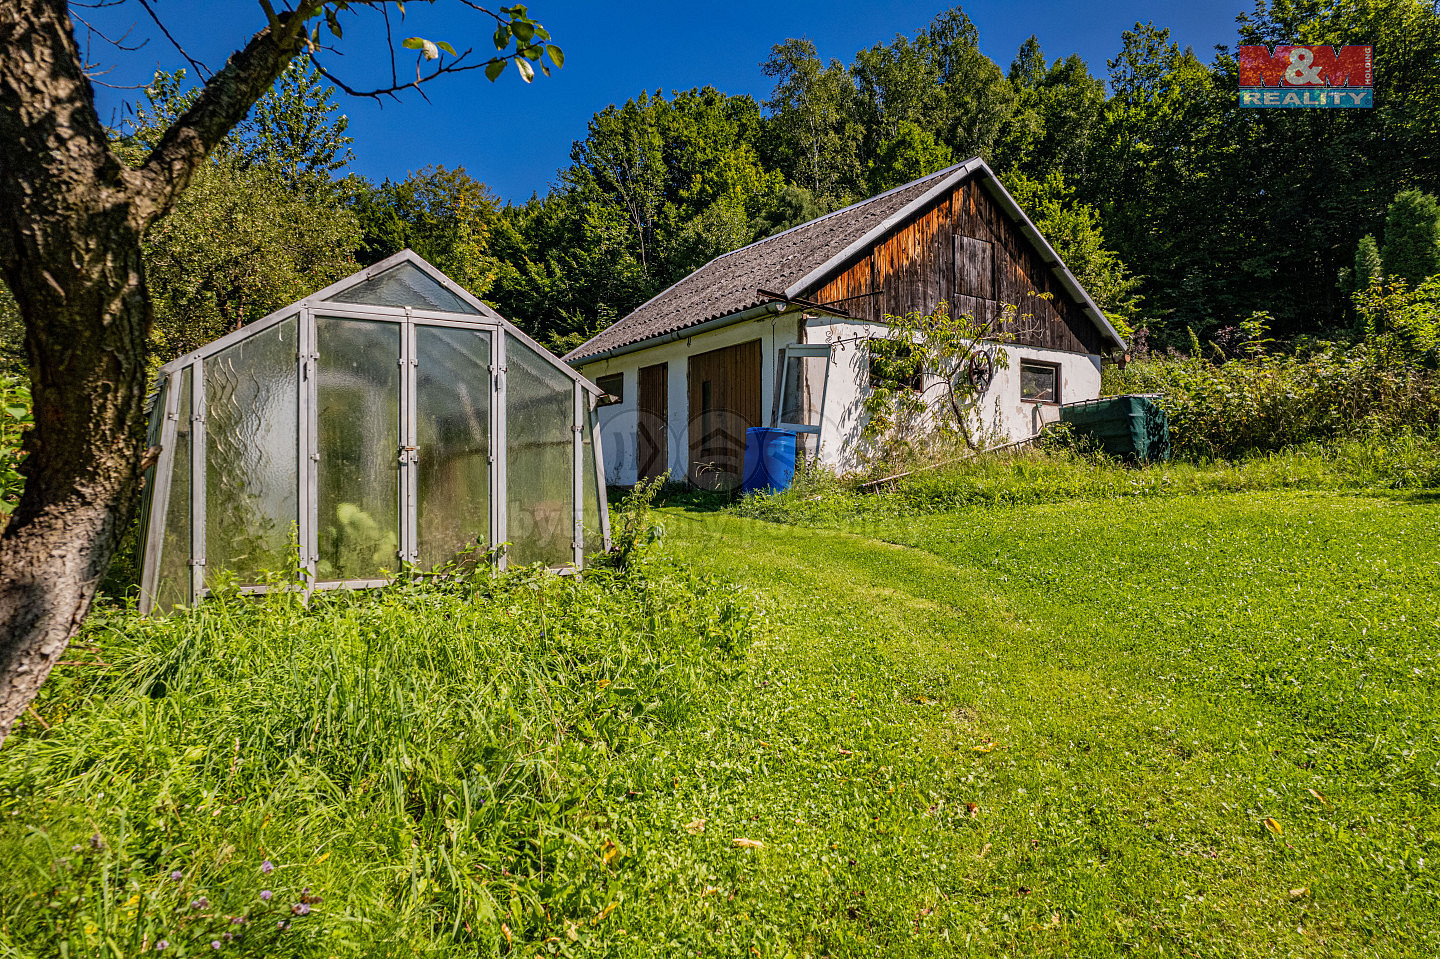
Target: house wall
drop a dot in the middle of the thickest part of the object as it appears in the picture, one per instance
(1002, 415)
(617, 422)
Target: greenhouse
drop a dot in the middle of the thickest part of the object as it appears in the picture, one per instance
(389, 420)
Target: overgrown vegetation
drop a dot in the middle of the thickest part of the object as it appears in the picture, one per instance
(431, 770)
(1057, 475)
(1238, 396)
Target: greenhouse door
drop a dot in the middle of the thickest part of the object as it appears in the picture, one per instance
(358, 450)
(452, 427)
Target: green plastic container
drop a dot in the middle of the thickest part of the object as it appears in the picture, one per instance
(1128, 427)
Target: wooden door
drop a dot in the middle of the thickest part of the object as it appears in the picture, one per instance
(652, 406)
(974, 277)
(724, 402)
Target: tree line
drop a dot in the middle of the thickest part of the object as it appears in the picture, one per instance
(1179, 210)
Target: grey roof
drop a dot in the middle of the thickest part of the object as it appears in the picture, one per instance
(795, 260)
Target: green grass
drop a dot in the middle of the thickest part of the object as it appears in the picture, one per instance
(1126, 691)
(1401, 462)
(1054, 727)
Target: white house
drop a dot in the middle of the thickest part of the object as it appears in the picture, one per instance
(772, 334)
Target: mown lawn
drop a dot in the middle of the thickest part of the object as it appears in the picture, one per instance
(1199, 725)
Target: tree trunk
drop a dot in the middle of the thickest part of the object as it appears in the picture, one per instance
(82, 471)
(72, 218)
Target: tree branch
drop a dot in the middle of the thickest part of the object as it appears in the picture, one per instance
(223, 102)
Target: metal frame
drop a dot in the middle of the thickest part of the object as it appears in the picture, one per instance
(160, 495)
(790, 352)
(594, 414)
(306, 312)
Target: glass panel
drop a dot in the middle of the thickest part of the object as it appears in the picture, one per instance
(358, 424)
(594, 535)
(540, 507)
(1037, 383)
(804, 389)
(405, 285)
(251, 418)
(172, 585)
(452, 421)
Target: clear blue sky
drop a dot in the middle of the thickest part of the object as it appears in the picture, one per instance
(515, 137)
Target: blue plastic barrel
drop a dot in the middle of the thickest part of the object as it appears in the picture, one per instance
(769, 459)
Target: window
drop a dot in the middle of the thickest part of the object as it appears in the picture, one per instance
(612, 388)
(1039, 382)
(800, 402)
(804, 392)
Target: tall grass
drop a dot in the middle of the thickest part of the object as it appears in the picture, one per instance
(1403, 462)
(430, 770)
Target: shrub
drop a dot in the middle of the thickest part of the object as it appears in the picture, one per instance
(1247, 400)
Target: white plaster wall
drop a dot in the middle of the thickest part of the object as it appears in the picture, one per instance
(618, 422)
(1002, 413)
(841, 443)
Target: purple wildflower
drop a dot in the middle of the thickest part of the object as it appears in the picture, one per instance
(238, 920)
(214, 943)
(177, 875)
(96, 842)
(281, 925)
(301, 909)
(76, 848)
(266, 894)
(267, 867)
(228, 937)
(162, 945)
(201, 903)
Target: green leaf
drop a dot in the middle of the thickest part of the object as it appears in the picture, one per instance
(494, 68)
(413, 43)
(502, 36)
(527, 72)
(445, 46)
(557, 56)
(524, 32)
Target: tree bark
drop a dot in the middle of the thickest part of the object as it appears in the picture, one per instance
(72, 218)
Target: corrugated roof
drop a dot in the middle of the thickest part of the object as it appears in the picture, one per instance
(792, 261)
(730, 282)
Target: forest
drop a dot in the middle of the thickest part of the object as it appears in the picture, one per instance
(1181, 211)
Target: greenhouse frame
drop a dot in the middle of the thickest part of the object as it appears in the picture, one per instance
(389, 420)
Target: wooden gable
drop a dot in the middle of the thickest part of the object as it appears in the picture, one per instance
(962, 249)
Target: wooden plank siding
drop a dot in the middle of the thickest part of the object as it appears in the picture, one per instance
(923, 262)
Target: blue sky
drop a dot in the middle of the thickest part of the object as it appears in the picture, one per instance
(515, 137)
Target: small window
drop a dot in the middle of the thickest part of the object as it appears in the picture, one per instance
(1039, 383)
(612, 389)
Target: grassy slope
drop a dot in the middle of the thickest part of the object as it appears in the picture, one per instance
(1125, 692)
(1124, 689)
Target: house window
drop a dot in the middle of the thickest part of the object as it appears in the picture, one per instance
(612, 387)
(1039, 382)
